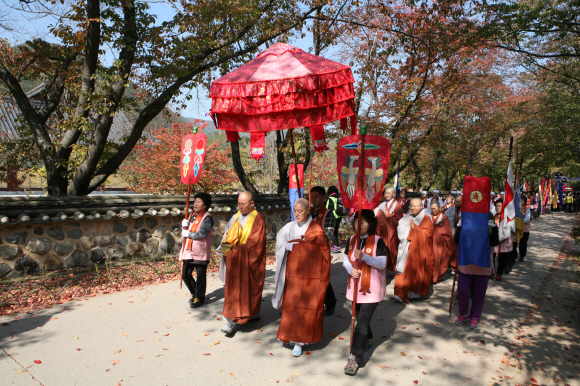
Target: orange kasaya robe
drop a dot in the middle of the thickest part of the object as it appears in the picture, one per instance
(245, 274)
(454, 245)
(307, 278)
(418, 273)
(387, 230)
(442, 248)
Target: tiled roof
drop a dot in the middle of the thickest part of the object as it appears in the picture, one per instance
(37, 210)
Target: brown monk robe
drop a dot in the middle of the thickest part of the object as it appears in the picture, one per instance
(415, 260)
(388, 214)
(454, 216)
(442, 237)
(245, 264)
(302, 287)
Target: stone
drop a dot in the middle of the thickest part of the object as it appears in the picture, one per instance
(76, 259)
(26, 264)
(14, 274)
(17, 238)
(275, 228)
(166, 220)
(10, 252)
(223, 226)
(151, 246)
(160, 232)
(122, 241)
(151, 222)
(55, 233)
(216, 240)
(270, 220)
(74, 234)
(167, 243)
(52, 263)
(115, 252)
(4, 269)
(106, 240)
(133, 249)
(64, 249)
(38, 231)
(176, 230)
(75, 224)
(85, 243)
(118, 227)
(139, 223)
(284, 218)
(143, 235)
(98, 256)
(39, 246)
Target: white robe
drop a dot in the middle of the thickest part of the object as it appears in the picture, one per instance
(403, 230)
(291, 231)
(383, 206)
(242, 220)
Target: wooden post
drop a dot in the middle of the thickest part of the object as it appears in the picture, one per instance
(295, 162)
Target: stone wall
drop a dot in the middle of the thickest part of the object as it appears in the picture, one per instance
(33, 241)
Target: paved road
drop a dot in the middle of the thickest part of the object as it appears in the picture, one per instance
(150, 336)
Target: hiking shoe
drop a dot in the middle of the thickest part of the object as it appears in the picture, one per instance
(351, 366)
(397, 298)
(369, 344)
(462, 318)
(473, 324)
(228, 328)
(190, 301)
(197, 303)
(335, 249)
(498, 277)
(297, 351)
(329, 311)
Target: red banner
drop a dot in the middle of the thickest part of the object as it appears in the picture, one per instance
(293, 183)
(258, 146)
(192, 157)
(375, 166)
(318, 138)
(476, 197)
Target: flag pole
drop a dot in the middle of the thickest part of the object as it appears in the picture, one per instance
(295, 163)
(361, 175)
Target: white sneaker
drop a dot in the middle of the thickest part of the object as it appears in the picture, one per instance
(228, 328)
(297, 351)
(397, 298)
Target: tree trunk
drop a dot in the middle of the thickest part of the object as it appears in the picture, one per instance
(281, 143)
(435, 171)
(417, 176)
(239, 168)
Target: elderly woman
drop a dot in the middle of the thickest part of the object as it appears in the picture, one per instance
(196, 249)
(302, 276)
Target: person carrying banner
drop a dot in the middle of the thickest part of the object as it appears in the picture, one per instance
(372, 260)
(302, 277)
(454, 216)
(388, 214)
(325, 219)
(523, 244)
(243, 264)
(504, 249)
(414, 269)
(196, 253)
(442, 243)
(480, 233)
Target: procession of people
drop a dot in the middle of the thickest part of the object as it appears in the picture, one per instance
(418, 248)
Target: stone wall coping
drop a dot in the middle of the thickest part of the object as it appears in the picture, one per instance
(36, 210)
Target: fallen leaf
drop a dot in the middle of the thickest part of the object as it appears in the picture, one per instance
(114, 362)
(403, 354)
(207, 354)
(271, 354)
(534, 379)
(140, 340)
(415, 382)
(37, 362)
(296, 373)
(124, 334)
(166, 335)
(424, 373)
(118, 351)
(206, 334)
(79, 349)
(308, 353)
(165, 349)
(340, 338)
(382, 366)
(258, 342)
(419, 357)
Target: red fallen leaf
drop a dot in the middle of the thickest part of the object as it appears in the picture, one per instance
(37, 362)
(206, 334)
(271, 354)
(155, 332)
(404, 328)
(382, 366)
(508, 377)
(533, 380)
(419, 357)
(341, 338)
(482, 342)
(105, 292)
(519, 356)
(415, 382)
(166, 335)
(389, 382)
(308, 353)
(403, 354)
(79, 349)
(424, 373)
(207, 354)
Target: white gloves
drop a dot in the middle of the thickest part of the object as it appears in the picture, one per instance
(185, 233)
(185, 223)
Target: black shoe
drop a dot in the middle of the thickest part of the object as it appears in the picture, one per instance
(197, 303)
(369, 344)
(329, 311)
(190, 301)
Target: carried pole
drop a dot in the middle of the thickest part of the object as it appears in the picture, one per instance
(295, 162)
(309, 181)
(361, 175)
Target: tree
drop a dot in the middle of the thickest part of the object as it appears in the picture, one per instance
(86, 82)
(155, 166)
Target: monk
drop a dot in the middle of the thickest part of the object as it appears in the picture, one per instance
(243, 267)
(454, 216)
(441, 241)
(302, 276)
(415, 259)
(388, 214)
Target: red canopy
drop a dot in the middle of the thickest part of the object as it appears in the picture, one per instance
(282, 88)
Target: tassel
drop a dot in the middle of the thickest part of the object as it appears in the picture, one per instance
(353, 125)
(318, 138)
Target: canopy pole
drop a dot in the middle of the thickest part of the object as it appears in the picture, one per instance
(361, 175)
(295, 163)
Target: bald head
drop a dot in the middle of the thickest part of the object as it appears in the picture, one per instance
(416, 206)
(246, 203)
(389, 193)
(301, 203)
(301, 210)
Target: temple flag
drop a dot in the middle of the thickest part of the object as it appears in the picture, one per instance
(508, 212)
(293, 186)
(474, 248)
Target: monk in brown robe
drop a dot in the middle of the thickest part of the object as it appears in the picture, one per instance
(415, 259)
(302, 276)
(454, 216)
(441, 241)
(388, 214)
(243, 268)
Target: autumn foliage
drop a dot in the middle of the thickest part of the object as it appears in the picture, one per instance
(155, 166)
